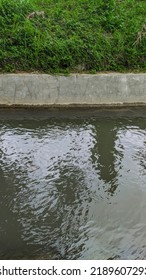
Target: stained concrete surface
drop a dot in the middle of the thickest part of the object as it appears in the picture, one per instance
(77, 89)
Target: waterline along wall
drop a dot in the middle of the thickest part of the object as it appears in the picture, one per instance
(75, 89)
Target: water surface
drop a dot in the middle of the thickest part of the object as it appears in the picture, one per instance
(73, 184)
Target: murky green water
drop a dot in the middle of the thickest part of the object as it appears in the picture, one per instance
(73, 184)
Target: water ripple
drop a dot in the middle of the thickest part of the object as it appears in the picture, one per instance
(73, 189)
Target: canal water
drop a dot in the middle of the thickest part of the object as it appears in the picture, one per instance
(73, 184)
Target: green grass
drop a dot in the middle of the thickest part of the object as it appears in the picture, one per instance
(74, 36)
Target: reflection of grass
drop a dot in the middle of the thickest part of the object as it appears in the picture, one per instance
(83, 35)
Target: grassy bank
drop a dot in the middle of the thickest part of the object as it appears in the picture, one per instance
(72, 35)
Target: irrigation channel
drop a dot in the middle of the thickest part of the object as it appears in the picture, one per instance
(73, 183)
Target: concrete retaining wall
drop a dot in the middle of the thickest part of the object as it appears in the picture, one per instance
(81, 89)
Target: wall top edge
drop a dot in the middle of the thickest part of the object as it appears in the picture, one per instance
(72, 74)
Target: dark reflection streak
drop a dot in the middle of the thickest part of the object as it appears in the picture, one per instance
(71, 192)
(11, 242)
(104, 154)
(141, 154)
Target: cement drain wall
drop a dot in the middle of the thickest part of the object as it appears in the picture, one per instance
(75, 89)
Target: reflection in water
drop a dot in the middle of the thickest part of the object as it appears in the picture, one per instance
(105, 154)
(73, 188)
(10, 230)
